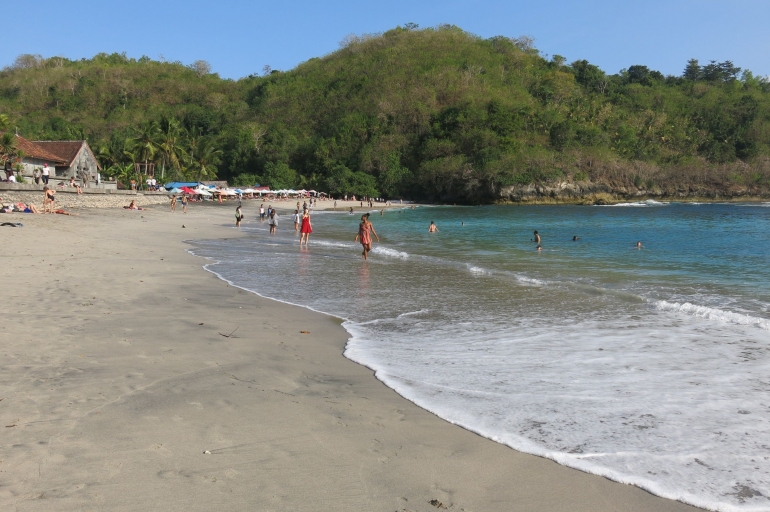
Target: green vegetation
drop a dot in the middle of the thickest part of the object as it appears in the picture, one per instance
(434, 114)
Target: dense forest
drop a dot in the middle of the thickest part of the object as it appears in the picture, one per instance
(436, 114)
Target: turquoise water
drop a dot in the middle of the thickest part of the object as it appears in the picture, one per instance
(648, 366)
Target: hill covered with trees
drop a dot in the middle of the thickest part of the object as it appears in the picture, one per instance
(436, 114)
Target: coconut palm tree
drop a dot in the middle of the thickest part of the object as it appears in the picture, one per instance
(5, 122)
(169, 145)
(8, 148)
(205, 158)
(145, 144)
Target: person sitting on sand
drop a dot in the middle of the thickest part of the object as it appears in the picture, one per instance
(74, 184)
(132, 206)
(433, 228)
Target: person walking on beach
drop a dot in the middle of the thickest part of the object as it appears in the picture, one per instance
(184, 204)
(296, 219)
(46, 174)
(306, 229)
(36, 175)
(365, 232)
(238, 216)
(272, 221)
(433, 228)
(173, 203)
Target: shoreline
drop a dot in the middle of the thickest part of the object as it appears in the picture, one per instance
(130, 377)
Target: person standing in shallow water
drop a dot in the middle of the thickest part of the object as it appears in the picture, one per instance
(305, 229)
(365, 232)
(238, 216)
(537, 238)
(433, 228)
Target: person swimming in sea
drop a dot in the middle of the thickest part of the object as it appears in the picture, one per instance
(575, 238)
(433, 228)
(639, 245)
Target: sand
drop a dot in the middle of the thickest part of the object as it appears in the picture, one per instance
(119, 391)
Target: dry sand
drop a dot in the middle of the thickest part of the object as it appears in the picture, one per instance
(119, 392)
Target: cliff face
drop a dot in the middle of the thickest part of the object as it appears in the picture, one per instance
(604, 193)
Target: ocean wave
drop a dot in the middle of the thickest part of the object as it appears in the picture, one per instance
(648, 202)
(476, 270)
(325, 243)
(712, 313)
(530, 280)
(392, 253)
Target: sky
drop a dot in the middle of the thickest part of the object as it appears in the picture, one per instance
(240, 37)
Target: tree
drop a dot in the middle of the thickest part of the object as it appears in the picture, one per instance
(8, 147)
(589, 76)
(280, 176)
(692, 71)
(201, 67)
(169, 145)
(5, 122)
(205, 159)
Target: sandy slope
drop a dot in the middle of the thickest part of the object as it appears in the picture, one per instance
(119, 392)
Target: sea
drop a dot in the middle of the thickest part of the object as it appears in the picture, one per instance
(649, 366)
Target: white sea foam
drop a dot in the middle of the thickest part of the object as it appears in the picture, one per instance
(530, 281)
(712, 314)
(392, 253)
(648, 202)
(327, 243)
(473, 269)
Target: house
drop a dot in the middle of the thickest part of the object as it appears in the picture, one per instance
(35, 157)
(69, 158)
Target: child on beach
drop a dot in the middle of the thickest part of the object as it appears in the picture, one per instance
(296, 218)
(272, 221)
(365, 232)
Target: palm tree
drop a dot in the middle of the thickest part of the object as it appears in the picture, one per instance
(5, 122)
(144, 145)
(169, 144)
(205, 158)
(8, 149)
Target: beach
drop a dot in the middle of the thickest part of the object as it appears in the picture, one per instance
(132, 379)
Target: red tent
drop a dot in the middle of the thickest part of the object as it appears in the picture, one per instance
(188, 190)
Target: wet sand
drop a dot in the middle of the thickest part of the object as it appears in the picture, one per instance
(133, 380)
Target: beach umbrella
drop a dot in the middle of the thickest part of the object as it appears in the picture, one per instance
(175, 191)
(188, 190)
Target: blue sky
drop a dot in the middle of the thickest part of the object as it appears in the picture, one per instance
(239, 37)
